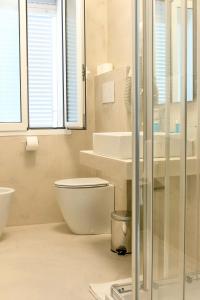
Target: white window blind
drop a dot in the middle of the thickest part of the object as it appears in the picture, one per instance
(45, 71)
(160, 59)
(190, 91)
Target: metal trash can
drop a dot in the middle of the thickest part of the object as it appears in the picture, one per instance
(121, 232)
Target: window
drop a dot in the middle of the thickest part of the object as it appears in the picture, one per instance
(54, 41)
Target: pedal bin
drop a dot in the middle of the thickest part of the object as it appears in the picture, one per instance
(121, 232)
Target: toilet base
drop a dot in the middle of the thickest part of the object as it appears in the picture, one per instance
(87, 210)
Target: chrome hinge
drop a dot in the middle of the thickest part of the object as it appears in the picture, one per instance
(83, 72)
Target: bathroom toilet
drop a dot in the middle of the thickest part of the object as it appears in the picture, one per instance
(86, 204)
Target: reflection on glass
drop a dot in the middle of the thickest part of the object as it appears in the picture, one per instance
(189, 54)
(10, 110)
(174, 43)
(160, 58)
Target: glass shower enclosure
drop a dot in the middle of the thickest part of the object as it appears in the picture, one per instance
(166, 164)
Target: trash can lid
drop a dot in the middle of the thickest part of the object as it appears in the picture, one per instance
(121, 215)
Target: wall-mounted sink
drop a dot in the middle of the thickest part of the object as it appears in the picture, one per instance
(113, 144)
(119, 144)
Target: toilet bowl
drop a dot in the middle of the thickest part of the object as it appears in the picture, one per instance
(5, 201)
(86, 204)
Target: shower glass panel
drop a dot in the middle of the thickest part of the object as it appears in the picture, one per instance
(167, 160)
(177, 274)
(192, 227)
(169, 164)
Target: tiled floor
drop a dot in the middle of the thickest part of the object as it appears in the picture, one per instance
(46, 262)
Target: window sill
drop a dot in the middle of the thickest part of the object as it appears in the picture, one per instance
(37, 132)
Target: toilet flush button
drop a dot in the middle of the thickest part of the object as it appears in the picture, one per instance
(108, 92)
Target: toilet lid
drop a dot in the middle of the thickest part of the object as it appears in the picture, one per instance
(82, 182)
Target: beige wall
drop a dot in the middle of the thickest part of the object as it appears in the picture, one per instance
(119, 32)
(115, 40)
(112, 31)
(96, 33)
(33, 174)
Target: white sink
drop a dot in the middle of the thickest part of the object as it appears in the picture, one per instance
(113, 144)
(119, 144)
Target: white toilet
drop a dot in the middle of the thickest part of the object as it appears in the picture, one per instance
(86, 204)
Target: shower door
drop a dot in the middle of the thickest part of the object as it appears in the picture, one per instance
(166, 185)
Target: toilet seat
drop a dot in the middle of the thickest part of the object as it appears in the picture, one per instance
(76, 183)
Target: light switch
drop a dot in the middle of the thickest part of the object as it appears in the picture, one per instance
(108, 92)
